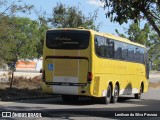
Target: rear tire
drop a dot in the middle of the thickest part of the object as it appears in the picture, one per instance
(115, 96)
(108, 95)
(138, 95)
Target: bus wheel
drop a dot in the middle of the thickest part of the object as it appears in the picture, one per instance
(138, 95)
(108, 95)
(115, 96)
(69, 98)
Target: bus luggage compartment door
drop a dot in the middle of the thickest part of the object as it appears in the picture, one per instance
(66, 74)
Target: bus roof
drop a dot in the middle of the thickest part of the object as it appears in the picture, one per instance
(111, 36)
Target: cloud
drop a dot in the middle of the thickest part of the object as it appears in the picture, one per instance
(96, 3)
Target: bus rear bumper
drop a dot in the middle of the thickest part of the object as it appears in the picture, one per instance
(67, 89)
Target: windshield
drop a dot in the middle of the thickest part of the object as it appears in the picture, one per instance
(67, 39)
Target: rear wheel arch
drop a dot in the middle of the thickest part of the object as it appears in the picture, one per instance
(141, 89)
(111, 84)
(142, 86)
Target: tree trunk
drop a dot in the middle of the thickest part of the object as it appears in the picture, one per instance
(151, 21)
(11, 79)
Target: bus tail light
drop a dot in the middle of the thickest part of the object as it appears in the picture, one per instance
(89, 78)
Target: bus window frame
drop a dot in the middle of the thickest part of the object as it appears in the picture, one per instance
(126, 44)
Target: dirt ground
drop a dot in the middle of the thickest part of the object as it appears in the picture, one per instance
(154, 85)
(21, 88)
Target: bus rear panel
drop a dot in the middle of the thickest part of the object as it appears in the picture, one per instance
(67, 62)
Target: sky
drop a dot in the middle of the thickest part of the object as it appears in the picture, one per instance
(86, 6)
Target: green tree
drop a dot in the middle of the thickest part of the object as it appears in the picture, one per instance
(19, 41)
(136, 34)
(123, 10)
(20, 38)
(72, 17)
(4, 28)
(43, 26)
(9, 8)
(154, 51)
(8, 11)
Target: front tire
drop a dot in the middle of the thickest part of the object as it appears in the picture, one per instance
(115, 96)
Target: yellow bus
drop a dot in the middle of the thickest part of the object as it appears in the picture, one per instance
(82, 62)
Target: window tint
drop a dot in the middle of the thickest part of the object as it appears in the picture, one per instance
(131, 52)
(139, 54)
(67, 39)
(101, 46)
(105, 47)
(110, 48)
(118, 50)
(124, 51)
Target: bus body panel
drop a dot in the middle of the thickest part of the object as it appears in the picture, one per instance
(128, 74)
(66, 74)
(116, 71)
(71, 67)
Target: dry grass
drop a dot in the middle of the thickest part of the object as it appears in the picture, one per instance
(29, 83)
(154, 85)
(22, 88)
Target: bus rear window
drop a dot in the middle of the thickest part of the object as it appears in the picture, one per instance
(67, 39)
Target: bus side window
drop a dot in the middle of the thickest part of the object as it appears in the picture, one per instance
(124, 51)
(118, 50)
(100, 46)
(110, 48)
(131, 53)
(97, 47)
